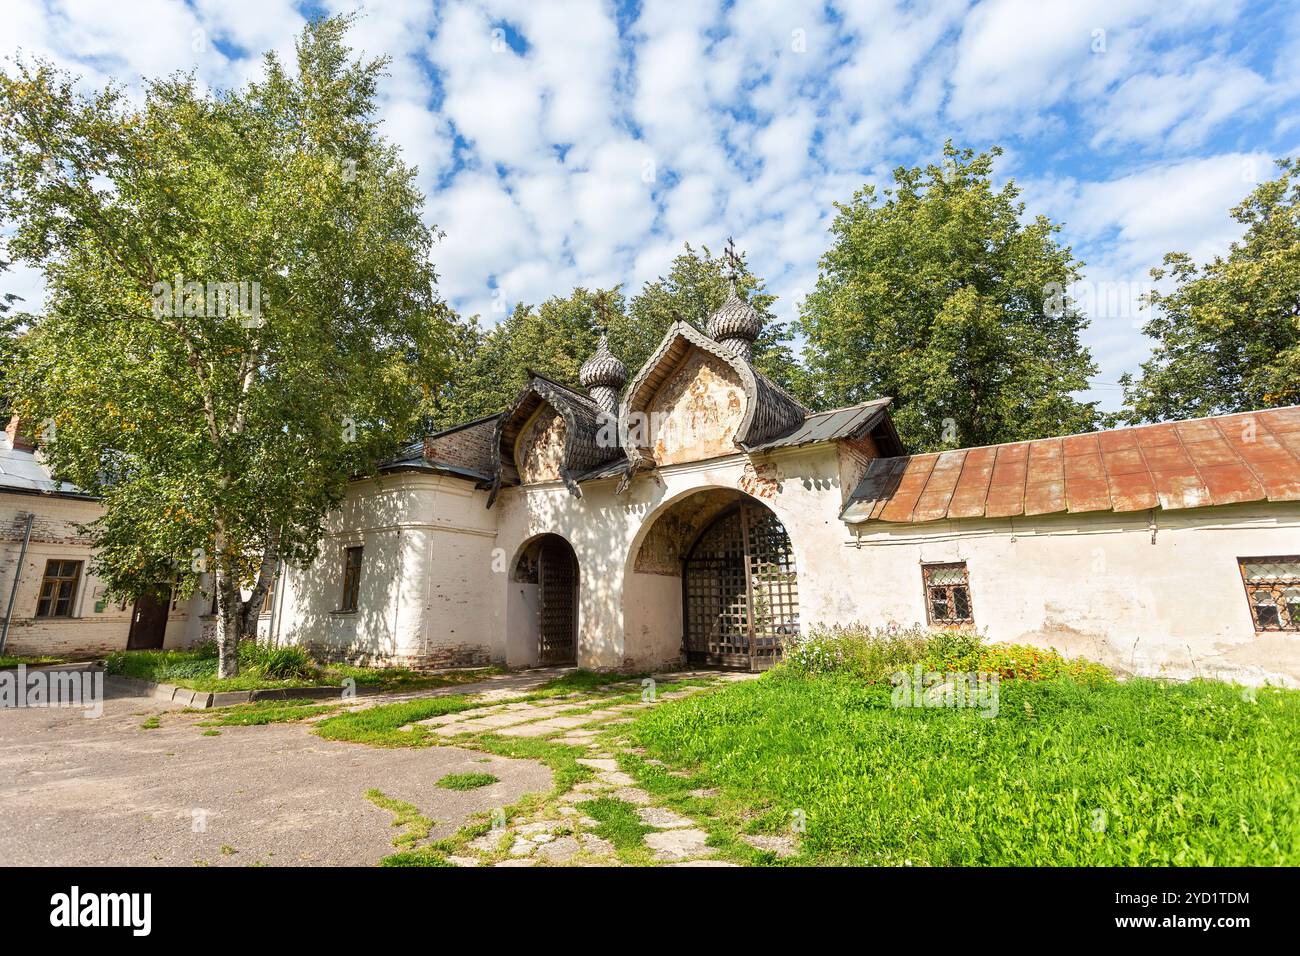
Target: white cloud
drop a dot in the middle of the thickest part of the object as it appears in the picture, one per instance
(589, 147)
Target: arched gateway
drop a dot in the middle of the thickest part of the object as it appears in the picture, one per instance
(712, 580)
(740, 590)
(546, 574)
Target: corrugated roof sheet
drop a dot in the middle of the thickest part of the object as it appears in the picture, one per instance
(827, 426)
(1228, 459)
(22, 471)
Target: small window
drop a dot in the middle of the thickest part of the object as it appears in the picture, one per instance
(351, 578)
(58, 588)
(947, 593)
(269, 597)
(1273, 592)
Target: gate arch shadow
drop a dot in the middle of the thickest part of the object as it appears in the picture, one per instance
(710, 580)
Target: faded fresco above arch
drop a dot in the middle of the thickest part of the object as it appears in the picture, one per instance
(539, 450)
(697, 411)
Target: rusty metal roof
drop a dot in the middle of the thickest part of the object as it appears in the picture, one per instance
(1228, 459)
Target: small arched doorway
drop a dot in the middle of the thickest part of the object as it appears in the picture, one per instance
(740, 590)
(548, 570)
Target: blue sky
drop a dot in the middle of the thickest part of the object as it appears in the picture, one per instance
(578, 142)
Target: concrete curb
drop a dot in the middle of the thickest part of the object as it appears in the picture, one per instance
(135, 687)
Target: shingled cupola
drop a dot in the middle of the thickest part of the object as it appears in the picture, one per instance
(603, 376)
(736, 324)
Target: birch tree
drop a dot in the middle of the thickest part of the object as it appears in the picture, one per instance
(241, 312)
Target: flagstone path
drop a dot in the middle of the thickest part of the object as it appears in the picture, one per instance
(561, 830)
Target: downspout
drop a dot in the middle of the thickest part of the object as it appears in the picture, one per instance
(18, 573)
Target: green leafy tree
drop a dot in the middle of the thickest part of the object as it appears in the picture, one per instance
(1227, 337)
(696, 285)
(241, 309)
(939, 295)
(556, 337)
(8, 338)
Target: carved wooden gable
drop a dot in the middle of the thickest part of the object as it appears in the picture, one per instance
(539, 450)
(697, 412)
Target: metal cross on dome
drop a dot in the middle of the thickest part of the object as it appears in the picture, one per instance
(601, 303)
(733, 260)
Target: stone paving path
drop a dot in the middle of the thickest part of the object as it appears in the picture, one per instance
(559, 831)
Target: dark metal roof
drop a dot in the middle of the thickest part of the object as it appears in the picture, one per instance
(1228, 459)
(21, 472)
(853, 421)
(417, 462)
(611, 469)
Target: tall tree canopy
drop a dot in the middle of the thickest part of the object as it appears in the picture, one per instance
(241, 309)
(8, 337)
(556, 337)
(1227, 337)
(941, 297)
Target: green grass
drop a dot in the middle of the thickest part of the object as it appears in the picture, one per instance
(416, 826)
(381, 726)
(420, 856)
(265, 712)
(1141, 773)
(152, 722)
(619, 823)
(11, 660)
(466, 781)
(263, 668)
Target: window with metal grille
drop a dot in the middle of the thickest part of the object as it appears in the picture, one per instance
(1273, 591)
(351, 578)
(58, 588)
(947, 593)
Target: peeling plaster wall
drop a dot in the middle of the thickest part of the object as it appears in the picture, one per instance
(855, 457)
(539, 450)
(1098, 587)
(89, 631)
(630, 599)
(437, 587)
(427, 596)
(696, 413)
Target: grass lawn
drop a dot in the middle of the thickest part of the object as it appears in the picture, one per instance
(1137, 773)
(10, 660)
(466, 781)
(197, 670)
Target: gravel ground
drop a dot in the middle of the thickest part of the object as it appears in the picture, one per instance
(78, 791)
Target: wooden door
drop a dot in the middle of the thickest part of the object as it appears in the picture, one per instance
(148, 621)
(557, 586)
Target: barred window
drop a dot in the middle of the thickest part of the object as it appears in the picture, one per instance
(1273, 591)
(947, 593)
(351, 578)
(58, 588)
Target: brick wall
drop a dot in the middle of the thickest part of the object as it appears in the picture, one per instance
(99, 624)
(468, 447)
(433, 658)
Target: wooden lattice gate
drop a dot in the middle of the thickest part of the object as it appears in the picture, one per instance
(741, 591)
(557, 586)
